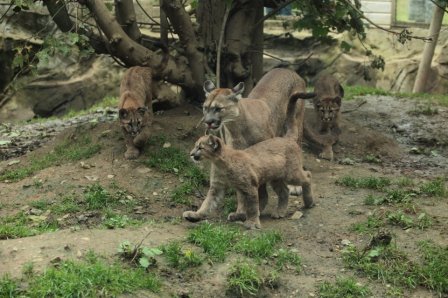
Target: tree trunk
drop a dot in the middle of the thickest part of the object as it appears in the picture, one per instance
(242, 52)
(428, 52)
(126, 17)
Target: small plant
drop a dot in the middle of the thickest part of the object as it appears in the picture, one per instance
(244, 279)
(405, 182)
(143, 256)
(229, 205)
(426, 110)
(372, 159)
(181, 259)
(435, 188)
(394, 196)
(97, 197)
(28, 269)
(371, 200)
(400, 219)
(358, 90)
(68, 204)
(22, 225)
(118, 221)
(343, 288)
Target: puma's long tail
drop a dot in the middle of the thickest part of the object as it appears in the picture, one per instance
(295, 114)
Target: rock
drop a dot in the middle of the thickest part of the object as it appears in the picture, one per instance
(347, 161)
(34, 211)
(143, 170)
(166, 145)
(13, 162)
(346, 242)
(110, 176)
(91, 178)
(297, 215)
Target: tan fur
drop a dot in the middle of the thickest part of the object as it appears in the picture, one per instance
(135, 109)
(277, 160)
(323, 131)
(246, 122)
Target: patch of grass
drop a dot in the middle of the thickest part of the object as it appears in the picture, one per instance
(435, 188)
(372, 159)
(259, 247)
(372, 182)
(370, 226)
(404, 182)
(351, 91)
(181, 258)
(22, 225)
(40, 204)
(401, 219)
(215, 240)
(175, 161)
(138, 255)
(98, 198)
(390, 265)
(343, 288)
(243, 279)
(385, 263)
(92, 278)
(427, 110)
(9, 287)
(286, 257)
(68, 151)
(68, 204)
(106, 102)
(434, 269)
(399, 196)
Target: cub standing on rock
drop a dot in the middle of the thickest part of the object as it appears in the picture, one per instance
(324, 131)
(245, 122)
(278, 159)
(135, 109)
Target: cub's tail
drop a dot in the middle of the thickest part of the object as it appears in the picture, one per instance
(295, 114)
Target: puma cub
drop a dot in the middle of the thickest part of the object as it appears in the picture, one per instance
(135, 108)
(277, 160)
(323, 131)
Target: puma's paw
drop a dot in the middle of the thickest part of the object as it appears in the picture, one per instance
(234, 216)
(295, 190)
(278, 214)
(193, 216)
(252, 224)
(131, 153)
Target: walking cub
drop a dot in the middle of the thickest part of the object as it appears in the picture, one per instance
(277, 160)
(135, 109)
(323, 131)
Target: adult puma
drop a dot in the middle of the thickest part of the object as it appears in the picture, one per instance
(245, 122)
(135, 108)
(277, 160)
(322, 129)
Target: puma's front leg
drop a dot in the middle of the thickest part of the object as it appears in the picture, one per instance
(132, 152)
(240, 213)
(214, 195)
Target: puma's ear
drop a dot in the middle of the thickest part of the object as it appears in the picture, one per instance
(123, 113)
(208, 87)
(142, 110)
(238, 90)
(337, 100)
(214, 142)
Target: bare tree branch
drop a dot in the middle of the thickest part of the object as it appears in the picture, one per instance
(219, 50)
(125, 13)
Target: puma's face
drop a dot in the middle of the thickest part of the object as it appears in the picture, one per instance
(205, 147)
(328, 108)
(221, 104)
(132, 120)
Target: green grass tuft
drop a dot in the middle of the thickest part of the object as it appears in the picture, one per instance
(9, 287)
(243, 279)
(259, 247)
(434, 269)
(351, 91)
(343, 288)
(22, 225)
(287, 257)
(215, 240)
(179, 258)
(378, 183)
(435, 188)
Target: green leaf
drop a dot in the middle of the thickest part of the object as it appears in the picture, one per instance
(374, 253)
(345, 46)
(151, 252)
(144, 262)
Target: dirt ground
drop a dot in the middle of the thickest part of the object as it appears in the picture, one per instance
(379, 128)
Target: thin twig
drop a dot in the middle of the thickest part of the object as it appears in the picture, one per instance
(147, 14)
(221, 38)
(139, 245)
(7, 10)
(282, 60)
